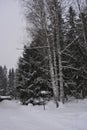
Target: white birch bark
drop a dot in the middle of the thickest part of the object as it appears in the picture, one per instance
(57, 21)
(53, 71)
(53, 79)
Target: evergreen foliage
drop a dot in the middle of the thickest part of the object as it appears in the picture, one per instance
(3, 80)
(56, 60)
(11, 87)
(32, 78)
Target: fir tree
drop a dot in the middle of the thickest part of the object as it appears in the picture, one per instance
(11, 89)
(76, 55)
(3, 80)
(32, 77)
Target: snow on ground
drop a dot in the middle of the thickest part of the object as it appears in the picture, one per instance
(71, 116)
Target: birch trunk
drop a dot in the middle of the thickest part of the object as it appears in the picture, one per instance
(55, 70)
(60, 71)
(57, 25)
(54, 83)
(52, 73)
(61, 80)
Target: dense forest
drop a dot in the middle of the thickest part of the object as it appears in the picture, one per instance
(54, 64)
(7, 82)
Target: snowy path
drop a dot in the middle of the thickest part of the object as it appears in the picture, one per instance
(71, 116)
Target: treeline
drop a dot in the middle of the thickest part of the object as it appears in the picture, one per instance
(7, 87)
(54, 64)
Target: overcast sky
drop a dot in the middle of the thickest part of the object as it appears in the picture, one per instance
(11, 32)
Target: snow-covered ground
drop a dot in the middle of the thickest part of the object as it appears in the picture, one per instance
(71, 116)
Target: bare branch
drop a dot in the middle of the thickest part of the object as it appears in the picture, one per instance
(71, 67)
(70, 43)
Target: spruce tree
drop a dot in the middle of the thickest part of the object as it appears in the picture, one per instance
(76, 55)
(10, 88)
(32, 78)
(3, 80)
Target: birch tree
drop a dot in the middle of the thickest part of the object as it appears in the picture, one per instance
(54, 8)
(39, 17)
(44, 21)
(39, 20)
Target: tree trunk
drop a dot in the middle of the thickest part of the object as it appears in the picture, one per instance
(55, 70)
(54, 85)
(52, 73)
(57, 27)
(83, 27)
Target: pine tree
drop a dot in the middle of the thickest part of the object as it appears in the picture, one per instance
(83, 22)
(11, 89)
(32, 78)
(61, 46)
(76, 55)
(38, 18)
(3, 80)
